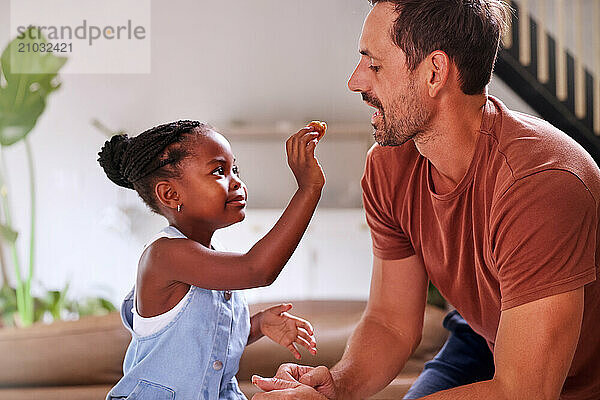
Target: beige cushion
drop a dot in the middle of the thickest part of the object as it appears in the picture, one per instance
(85, 352)
(89, 392)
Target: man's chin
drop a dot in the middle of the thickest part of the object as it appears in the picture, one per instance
(385, 140)
(378, 134)
(382, 138)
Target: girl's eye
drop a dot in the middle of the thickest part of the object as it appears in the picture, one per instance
(219, 171)
(374, 68)
(236, 170)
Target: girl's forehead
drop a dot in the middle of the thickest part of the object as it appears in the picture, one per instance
(212, 145)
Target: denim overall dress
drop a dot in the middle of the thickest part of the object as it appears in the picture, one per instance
(194, 357)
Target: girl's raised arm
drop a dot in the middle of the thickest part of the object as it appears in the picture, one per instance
(193, 263)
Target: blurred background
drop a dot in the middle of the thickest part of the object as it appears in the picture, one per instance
(258, 71)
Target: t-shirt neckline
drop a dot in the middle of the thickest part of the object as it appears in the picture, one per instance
(487, 121)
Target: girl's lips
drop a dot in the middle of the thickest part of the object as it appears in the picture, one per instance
(239, 203)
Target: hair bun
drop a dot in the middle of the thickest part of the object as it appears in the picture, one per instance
(111, 159)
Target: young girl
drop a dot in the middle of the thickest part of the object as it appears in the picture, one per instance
(189, 325)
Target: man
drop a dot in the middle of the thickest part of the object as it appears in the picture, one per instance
(498, 209)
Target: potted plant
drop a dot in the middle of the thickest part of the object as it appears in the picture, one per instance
(26, 81)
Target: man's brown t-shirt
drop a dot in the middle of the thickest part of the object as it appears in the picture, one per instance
(522, 224)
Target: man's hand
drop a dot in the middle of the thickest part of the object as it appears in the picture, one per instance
(301, 392)
(290, 379)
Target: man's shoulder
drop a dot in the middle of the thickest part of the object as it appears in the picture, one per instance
(529, 145)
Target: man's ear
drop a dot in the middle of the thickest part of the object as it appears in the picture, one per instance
(438, 71)
(166, 194)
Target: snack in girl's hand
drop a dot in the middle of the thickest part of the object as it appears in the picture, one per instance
(319, 127)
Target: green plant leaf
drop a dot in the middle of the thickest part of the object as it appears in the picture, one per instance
(23, 95)
(8, 234)
(107, 305)
(40, 306)
(8, 300)
(434, 297)
(94, 306)
(53, 301)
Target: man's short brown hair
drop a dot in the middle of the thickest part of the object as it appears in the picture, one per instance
(468, 31)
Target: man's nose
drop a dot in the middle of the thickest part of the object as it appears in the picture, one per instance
(356, 82)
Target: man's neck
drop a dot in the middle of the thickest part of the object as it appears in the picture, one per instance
(450, 143)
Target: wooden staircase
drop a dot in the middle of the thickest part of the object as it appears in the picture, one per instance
(550, 75)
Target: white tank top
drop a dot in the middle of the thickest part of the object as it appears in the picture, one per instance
(145, 326)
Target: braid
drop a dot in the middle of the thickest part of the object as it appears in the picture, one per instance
(137, 162)
(110, 159)
(143, 159)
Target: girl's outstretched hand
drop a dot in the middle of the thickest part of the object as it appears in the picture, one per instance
(301, 158)
(287, 330)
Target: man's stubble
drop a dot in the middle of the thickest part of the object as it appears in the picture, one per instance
(408, 117)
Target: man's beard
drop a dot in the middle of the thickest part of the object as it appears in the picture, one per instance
(410, 123)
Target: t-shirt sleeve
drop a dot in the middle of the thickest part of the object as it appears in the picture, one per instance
(543, 237)
(389, 240)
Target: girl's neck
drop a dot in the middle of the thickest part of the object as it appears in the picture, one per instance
(194, 232)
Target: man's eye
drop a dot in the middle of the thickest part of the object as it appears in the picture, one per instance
(374, 68)
(218, 171)
(236, 170)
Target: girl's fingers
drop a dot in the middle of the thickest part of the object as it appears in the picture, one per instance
(288, 146)
(302, 333)
(281, 308)
(310, 150)
(321, 134)
(300, 323)
(294, 350)
(308, 136)
(303, 145)
(299, 135)
(296, 143)
(307, 146)
(305, 130)
(295, 148)
(303, 342)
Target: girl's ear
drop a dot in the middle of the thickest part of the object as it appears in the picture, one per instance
(166, 194)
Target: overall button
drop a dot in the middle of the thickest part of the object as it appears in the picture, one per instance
(217, 365)
(227, 295)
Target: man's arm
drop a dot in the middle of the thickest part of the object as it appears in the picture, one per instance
(389, 330)
(534, 349)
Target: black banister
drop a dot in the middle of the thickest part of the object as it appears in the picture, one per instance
(542, 97)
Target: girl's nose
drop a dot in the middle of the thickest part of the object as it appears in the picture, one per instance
(236, 183)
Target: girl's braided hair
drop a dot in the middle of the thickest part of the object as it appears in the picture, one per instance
(140, 162)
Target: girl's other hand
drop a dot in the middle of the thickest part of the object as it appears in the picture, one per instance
(301, 158)
(287, 330)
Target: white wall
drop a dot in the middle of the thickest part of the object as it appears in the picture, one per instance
(260, 61)
(333, 260)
